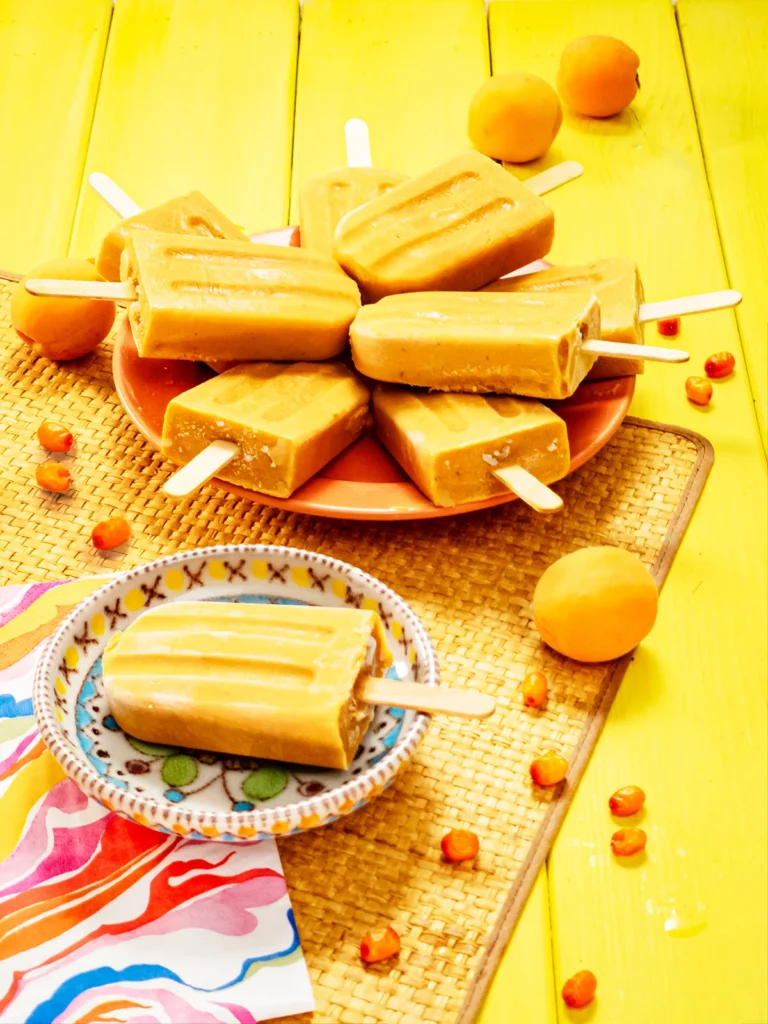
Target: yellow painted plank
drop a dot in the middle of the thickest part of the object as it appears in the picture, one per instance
(726, 50)
(689, 724)
(50, 62)
(195, 95)
(407, 68)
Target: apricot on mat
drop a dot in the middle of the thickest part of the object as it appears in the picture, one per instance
(61, 328)
(514, 117)
(595, 604)
(597, 76)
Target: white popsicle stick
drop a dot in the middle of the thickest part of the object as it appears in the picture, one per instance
(358, 143)
(201, 469)
(442, 700)
(554, 177)
(113, 195)
(688, 304)
(528, 489)
(114, 291)
(647, 353)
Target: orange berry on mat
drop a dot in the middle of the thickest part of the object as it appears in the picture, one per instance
(460, 844)
(54, 437)
(628, 841)
(534, 689)
(626, 801)
(111, 533)
(514, 117)
(579, 991)
(380, 944)
(720, 365)
(698, 390)
(52, 476)
(549, 769)
(597, 76)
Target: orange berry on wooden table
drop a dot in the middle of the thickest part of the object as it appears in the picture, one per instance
(54, 437)
(669, 328)
(628, 841)
(111, 533)
(626, 801)
(698, 390)
(720, 365)
(534, 689)
(514, 117)
(579, 991)
(61, 328)
(52, 476)
(597, 76)
(379, 945)
(549, 769)
(595, 604)
(459, 844)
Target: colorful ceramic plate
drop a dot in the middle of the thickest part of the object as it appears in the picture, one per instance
(364, 482)
(200, 794)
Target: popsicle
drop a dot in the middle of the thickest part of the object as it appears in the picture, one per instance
(269, 681)
(458, 227)
(210, 298)
(465, 448)
(191, 214)
(265, 426)
(540, 345)
(323, 201)
(623, 311)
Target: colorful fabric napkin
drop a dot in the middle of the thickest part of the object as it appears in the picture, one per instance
(104, 920)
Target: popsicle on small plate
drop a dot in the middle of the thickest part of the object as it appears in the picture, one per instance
(265, 426)
(461, 448)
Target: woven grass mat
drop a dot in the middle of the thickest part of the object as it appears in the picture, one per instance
(470, 578)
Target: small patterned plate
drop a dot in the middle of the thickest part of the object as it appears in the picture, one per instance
(198, 793)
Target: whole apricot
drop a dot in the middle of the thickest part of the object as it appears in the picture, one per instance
(514, 117)
(595, 604)
(598, 76)
(61, 328)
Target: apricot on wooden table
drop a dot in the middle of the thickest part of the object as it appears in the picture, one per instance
(514, 117)
(61, 328)
(597, 76)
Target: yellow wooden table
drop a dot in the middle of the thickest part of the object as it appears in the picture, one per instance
(201, 95)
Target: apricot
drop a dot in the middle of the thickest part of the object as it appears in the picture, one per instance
(598, 76)
(595, 604)
(61, 328)
(514, 117)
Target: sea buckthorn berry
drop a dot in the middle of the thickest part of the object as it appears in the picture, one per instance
(698, 390)
(579, 991)
(111, 533)
(628, 841)
(549, 769)
(460, 844)
(380, 944)
(52, 476)
(626, 801)
(669, 328)
(54, 437)
(534, 689)
(720, 365)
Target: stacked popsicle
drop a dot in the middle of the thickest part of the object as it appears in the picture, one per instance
(429, 255)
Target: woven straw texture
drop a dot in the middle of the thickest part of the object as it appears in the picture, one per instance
(470, 578)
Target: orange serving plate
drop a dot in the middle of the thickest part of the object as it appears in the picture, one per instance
(364, 482)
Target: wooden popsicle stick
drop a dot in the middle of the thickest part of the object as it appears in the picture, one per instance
(114, 291)
(688, 304)
(554, 177)
(201, 469)
(528, 489)
(440, 700)
(648, 353)
(358, 143)
(113, 195)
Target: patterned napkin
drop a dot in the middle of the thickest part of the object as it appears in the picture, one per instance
(104, 920)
